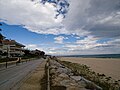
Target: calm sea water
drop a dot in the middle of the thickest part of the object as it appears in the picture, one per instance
(96, 56)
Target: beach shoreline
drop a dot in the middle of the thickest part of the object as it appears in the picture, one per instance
(108, 66)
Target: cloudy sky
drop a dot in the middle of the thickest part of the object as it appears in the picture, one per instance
(89, 26)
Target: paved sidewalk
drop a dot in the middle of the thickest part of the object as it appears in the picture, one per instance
(34, 80)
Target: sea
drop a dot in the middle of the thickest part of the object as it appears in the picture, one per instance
(96, 56)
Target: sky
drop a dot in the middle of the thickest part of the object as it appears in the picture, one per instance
(79, 27)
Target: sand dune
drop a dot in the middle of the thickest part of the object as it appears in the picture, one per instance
(108, 66)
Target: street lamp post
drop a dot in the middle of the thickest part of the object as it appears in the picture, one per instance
(0, 28)
(7, 56)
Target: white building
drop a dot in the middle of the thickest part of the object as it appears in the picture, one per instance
(12, 47)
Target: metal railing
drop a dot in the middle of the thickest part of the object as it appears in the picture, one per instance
(9, 63)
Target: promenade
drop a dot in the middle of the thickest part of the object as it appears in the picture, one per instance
(11, 77)
(34, 81)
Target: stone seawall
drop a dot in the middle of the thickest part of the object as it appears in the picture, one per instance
(62, 78)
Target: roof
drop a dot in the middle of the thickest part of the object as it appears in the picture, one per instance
(11, 42)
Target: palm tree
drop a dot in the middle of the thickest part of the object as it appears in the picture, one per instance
(1, 37)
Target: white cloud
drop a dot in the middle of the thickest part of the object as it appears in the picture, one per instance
(115, 43)
(31, 46)
(34, 46)
(83, 16)
(59, 39)
(96, 19)
(89, 14)
(87, 40)
(34, 16)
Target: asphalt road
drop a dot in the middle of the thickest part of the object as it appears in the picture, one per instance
(10, 77)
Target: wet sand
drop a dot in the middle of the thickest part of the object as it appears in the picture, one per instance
(108, 66)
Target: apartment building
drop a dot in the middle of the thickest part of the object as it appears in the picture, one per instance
(12, 47)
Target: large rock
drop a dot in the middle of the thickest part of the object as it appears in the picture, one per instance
(63, 76)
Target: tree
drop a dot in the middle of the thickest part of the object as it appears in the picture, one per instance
(42, 53)
(1, 36)
(39, 53)
(0, 28)
(27, 52)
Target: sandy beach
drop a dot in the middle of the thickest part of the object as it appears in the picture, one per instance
(108, 66)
